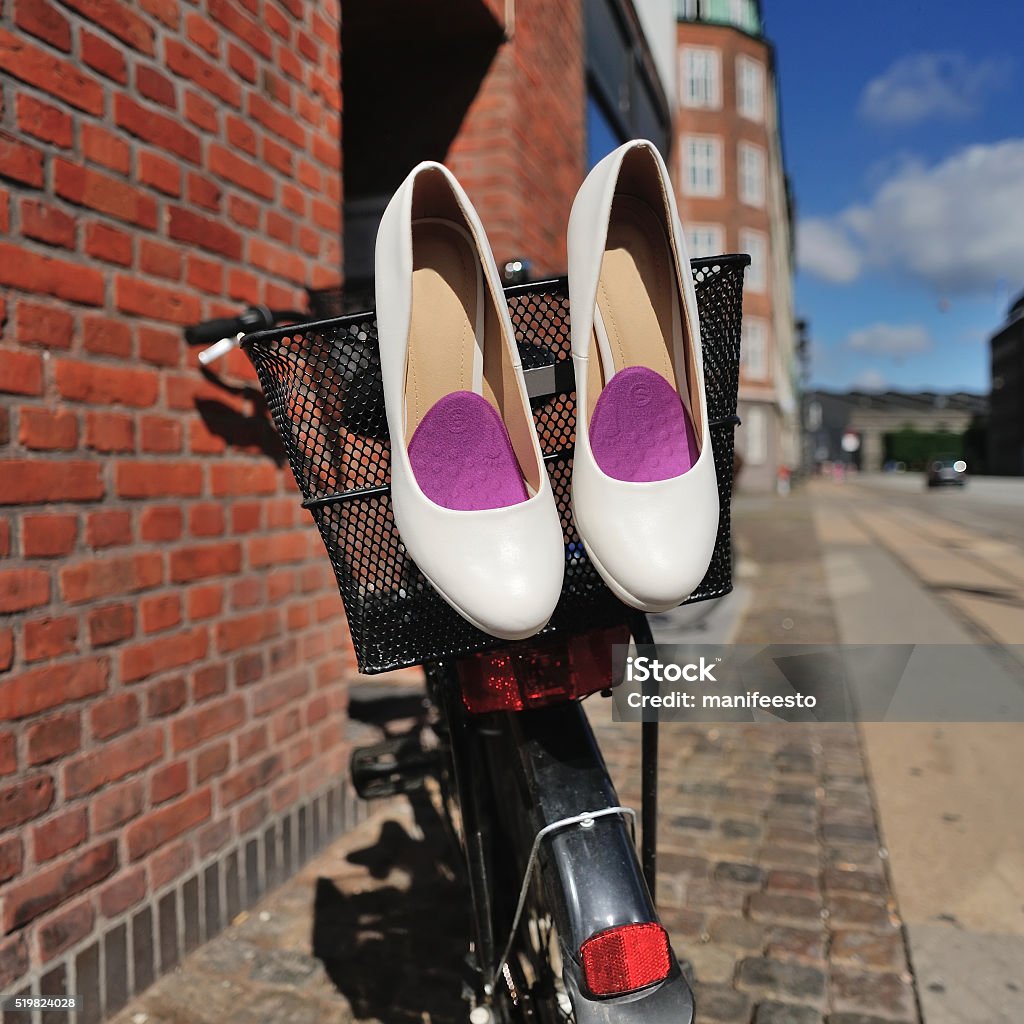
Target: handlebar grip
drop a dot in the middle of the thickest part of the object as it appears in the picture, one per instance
(210, 331)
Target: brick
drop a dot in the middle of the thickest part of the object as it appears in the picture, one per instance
(114, 806)
(113, 761)
(6, 658)
(101, 56)
(159, 130)
(862, 913)
(869, 996)
(161, 523)
(201, 112)
(44, 121)
(187, 226)
(163, 348)
(13, 962)
(166, 11)
(45, 223)
(160, 612)
(247, 631)
(21, 589)
(279, 227)
(26, 799)
(48, 889)
(785, 943)
(48, 536)
(109, 528)
(31, 481)
(85, 186)
(243, 212)
(197, 726)
(12, 857)
(201, 561)
(104, 147)
(146, 659)
(251, 742)
(109, 432)
(203, 33)
(159, 827)
(211, 761)
(37, 324)
(111, 624)
(113, 716)
(111, 245)
(166, 696)
(187, 63)
(46, 430)
(280, 122)
(23, 373)
(60, 834)
(164, 867)
(144, 298)
(128, 889)
(787, 982)
(206, 520)
(47, 275)
(42, 19)
(159, 259)
(245, 28)
(873, 950)
(50, 638)
(204, 191)
(161, 173)
(168, 782)
(230, 166)
(99, 578)
(156, 86)
(247, 780)
(206, 275)
(242, 63)
(158, 479)
(119, 20)
(43, 688)
(209, 681)
(232, 479)
(276, 260)
(205, 602)
(20, 161)
(62, 931)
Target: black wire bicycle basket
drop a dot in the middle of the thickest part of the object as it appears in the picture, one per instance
(323, 386)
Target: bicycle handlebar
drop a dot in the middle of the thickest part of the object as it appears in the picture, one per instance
(255, 318)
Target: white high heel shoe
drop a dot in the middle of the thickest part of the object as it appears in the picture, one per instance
(470, 493)
(644, 488)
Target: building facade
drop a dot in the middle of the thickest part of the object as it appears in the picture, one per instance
(1006, 419)
(734, 197)
(174, 659)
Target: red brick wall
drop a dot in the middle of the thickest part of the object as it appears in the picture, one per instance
(521, 150)
(172, 643)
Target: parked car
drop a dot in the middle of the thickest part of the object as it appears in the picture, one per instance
(947, 471)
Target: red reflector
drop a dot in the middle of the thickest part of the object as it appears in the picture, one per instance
(626, 958)
(533, 675)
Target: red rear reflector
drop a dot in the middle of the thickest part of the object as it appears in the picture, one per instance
(626, 958)
(549, 671)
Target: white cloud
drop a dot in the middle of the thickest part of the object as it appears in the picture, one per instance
(957, 226)
(922, 86)
(869, 380)
(825, 249)
(896, 340)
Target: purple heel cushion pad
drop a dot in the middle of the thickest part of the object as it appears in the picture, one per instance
(462, 457)
(640, 430)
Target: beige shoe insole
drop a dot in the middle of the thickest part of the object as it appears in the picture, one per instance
(446, 325)
(638, 308)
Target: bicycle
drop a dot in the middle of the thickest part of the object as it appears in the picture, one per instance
(565, 924)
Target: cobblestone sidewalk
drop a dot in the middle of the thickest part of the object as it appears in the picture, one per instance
(772, 878)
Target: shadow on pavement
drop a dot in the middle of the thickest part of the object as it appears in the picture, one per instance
(396, 950)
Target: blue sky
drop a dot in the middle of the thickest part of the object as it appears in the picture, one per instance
(903, 127)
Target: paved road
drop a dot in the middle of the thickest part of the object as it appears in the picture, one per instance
(992, 506)
(942, 568)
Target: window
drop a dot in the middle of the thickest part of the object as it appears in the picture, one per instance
(756, 245)
(700, 77)
(750, 88)
(741, 13)
(702, 168)
(705, 240)
(755, 424)
(754, 348)
(750, 159)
